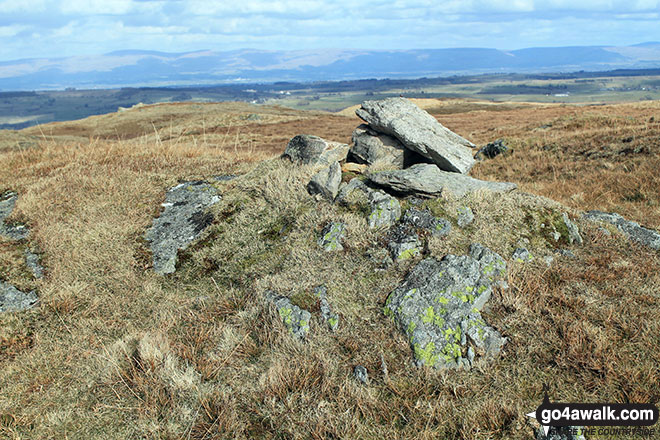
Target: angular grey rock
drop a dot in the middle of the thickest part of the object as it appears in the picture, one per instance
(640, 234)
(13, 300)
(183, 220)
(32, 262)
(438, 305)
(331, 318)
(573, 231)
(354, 194)
(423, 219)
(385, 210)
(420, 132)
(561, 433)
(465, 217)
(426, 180)
(369, 147)
(403, 243)
(521, 255)
(361, 375)
(14, 232)
(332, 236)
(307, 149)
(326, 182)
(566, 253)
(294, 318)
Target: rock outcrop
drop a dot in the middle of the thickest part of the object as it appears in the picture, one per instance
(13, 231)
(184, 218)
(640, 234)
(418, 131)
(426, 180)
(437, 307)
(332, 236)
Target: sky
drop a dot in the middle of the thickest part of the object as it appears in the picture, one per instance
(41, 28)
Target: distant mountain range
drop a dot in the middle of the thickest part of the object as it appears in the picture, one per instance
(135, 68)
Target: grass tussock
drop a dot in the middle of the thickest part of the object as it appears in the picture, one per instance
(115, 351)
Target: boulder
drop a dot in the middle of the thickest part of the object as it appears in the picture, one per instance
(326, 182)
(423, 219)
(426, 180)
(438, 307)
(418, 131)
(370, 147)
(13, 300)
(312, 150)
(331, 318)
(184, 218)
(635, 232)
(13, 231)
(385, 210)
(294, 318)
(332, 236)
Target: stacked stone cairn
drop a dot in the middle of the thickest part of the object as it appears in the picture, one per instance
(401, 150)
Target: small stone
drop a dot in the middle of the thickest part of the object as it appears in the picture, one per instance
(32, 262)
(465, 217)
(491, 150)
(294, 318)
(566, 253)
(361, 375)
(573, 231)
(521, 255)
(331, 237)
(403, 243)
(326, 182)
(548, 259)
(332, 319)
(423, 219)
(385, 210)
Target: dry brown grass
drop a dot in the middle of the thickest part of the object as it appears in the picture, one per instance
(115, 351)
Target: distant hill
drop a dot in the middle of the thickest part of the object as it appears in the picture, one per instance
(152, 68)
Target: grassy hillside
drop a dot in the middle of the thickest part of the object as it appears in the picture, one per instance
(116, 351)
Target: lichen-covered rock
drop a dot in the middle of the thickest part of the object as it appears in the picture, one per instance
(15, 231)
(424, 219)
(307, 149)
(326, 182)
(426, 180)
(354, 193)
(332, 236)
(438, 305)
(370, 147)
(294, 318)
(521, 255)
(331, 318)
(361, 374)
(573, 231)
(465, 217)
(184, 218)
(13, 300)
(403, 243)
(635, 232)
(385, 210)
(419, 132)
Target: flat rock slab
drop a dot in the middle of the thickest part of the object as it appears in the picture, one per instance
(437, 308)
(418, 131)
(640, 234)
(426, 180)
(307, 149)
(184, 218)
(14, 232)
(13, 300)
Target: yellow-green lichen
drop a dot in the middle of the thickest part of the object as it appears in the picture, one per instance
(427, 354)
